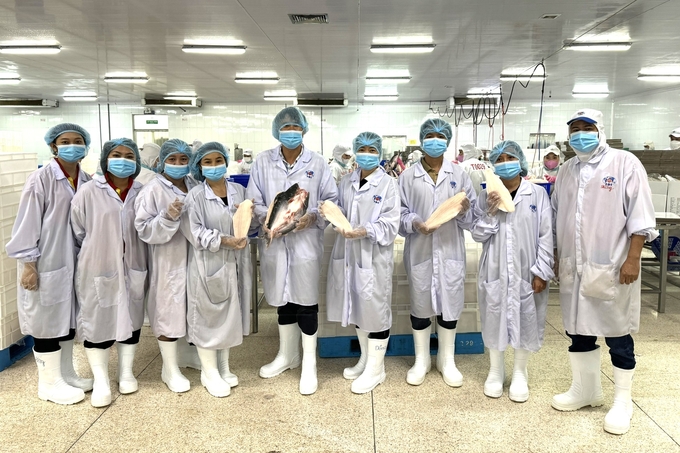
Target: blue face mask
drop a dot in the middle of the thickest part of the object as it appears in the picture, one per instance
(434, 147)
(507, 170)
(176, 171)
(214, 173)
(368, 161)
(71, 153)
(584, 142)
(290, 139)
(120, 167)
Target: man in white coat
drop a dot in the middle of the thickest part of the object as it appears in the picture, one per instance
(434, 258)
(603, 215)
(473, 166)
(290, 265)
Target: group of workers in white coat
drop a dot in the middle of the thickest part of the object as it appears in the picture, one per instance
(175, 238)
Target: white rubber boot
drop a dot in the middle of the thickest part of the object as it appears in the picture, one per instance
(519, 387)
(374, 373)
(51, 384)
(355, 371)
(187, 356)
(68, 372)
(223, 364)
(127, 383)
(288, 356)
(493, 386)
(446, 363)
(210, 374)
(617, 420)
(586, 385)
(423, 363)
(99, 363)
(170, 373)
(308, 381)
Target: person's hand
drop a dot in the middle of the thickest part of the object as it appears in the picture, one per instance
(321, 202)
(464, 206)
(305, 222)
(538, 285)
(230, 242)
(267, 232)
(29, 278)
(493, 202)
(420, 227)
(175, 209)
(630, 270)
(550, 179)
(357, 233)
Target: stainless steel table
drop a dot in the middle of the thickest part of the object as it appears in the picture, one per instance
(664, 221)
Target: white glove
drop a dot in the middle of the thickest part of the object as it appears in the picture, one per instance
(29, 278)
(230, 242)
(175, 209)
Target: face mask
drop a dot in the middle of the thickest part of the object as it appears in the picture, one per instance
(214, 173)
(368, 161)
(460, 158)
(176, 171)
(73, 153)
(434, 147)
(290, 139)
(248, 159)
(120, 167)
(551, 164)
(584, 143)
(346, 161)
(507, 170)
(675, 144)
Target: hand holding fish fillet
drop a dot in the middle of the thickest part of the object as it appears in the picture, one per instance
(494, 184)
(285, 212)
(331, 212)
(446, 211)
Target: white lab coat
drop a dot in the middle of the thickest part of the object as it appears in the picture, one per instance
(338, 171)
(517, 247)
(359, 286)
(290, 266)
(145, 176)
(244, 167)
(168, 249)
(475, 170)
(219, 280)
(597, 206)
(435, 264)
(111, 275)
(42, 232)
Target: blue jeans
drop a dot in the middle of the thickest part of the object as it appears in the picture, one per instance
(621, 349)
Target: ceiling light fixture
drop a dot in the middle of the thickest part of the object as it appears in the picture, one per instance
(658, 77)
(388, 79)
(179, 98)
(9, 79)
(280, 98)
(213, 49)
(258, 80)
(597, 46)
(522, 78)
(126, 79)
(402, 48)
(30, 49)
(381, 97)
(590, 95)
(79, 98)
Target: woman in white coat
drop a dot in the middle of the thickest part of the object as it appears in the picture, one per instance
(43, 244)
(515, 265)
(219, 277)
(158, 211)
(359, 288)
(291, 264)
(553, 157)
(434, 258)
(111, 276)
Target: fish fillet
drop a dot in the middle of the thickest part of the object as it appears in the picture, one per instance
(334, 215)
(242, 219)
(446, 211)
(494, 184)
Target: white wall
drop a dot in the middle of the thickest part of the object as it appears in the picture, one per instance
(647, 117)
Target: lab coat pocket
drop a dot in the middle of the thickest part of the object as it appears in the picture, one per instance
(108, 290)
(218, 284)
(421, 277)
(566, 276)
(528, 330)
(55, 287)
(600, 281)
(363, 283)
(493, 295)
(337, 270)
(177, 285)
(137, 281)
(454, 275)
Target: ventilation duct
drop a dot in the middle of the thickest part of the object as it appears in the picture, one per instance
(28, 103)
(301, 19)
(187, 103)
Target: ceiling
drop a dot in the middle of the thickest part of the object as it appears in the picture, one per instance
(475, 40)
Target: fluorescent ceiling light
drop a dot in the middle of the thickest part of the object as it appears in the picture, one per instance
(280, 95)
(280, 98)
(598, 46)
(388, 79)
(9, 79)
(381, 97)
(402, 48)
(179, 98)
(522, 77)
(491, 92)
(129, 78)
(30, 49)
(76, 98)
(182, 93)
(258, 80)
(658, 77)
(589, 95)
(214, 49)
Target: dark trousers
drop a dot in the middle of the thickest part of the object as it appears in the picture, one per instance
(134, 339)
(44, 345)
(307, 317)
(621, 349)
(424, 323)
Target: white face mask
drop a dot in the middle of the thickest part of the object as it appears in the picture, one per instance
(675, 144)
(346, 161)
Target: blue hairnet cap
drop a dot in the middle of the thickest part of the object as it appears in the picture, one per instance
(287, 116)
(204, 150)
(511, 149)
(113, 144)
(437, 125)
(174, 146)
(368, 139)
(54, 133)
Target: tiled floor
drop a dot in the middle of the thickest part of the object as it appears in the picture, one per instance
(271, 416)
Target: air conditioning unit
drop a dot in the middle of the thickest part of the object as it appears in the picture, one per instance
(334, 100)
(187, 103)
(28, 103)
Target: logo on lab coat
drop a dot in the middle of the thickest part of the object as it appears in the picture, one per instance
(453, 184)
(532, 207)
(608, 183)
(377, 199)
(309, 174)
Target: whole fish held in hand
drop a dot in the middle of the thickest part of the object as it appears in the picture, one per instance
(285, 211)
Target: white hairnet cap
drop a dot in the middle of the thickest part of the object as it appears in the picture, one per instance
(247, 152)
(590, 116)
(341, 150)
(675, 133)
(149, 153)
(470, 151)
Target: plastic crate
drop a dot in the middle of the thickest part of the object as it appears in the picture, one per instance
(673, 252)
(240, 179)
